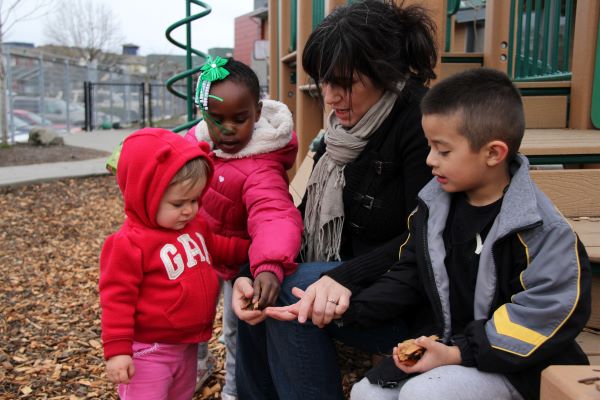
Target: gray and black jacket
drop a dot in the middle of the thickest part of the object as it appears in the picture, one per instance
(532, 296)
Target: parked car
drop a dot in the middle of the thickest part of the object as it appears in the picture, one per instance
(18, 129)
(52, 109)
(31, 118)
(35, 119)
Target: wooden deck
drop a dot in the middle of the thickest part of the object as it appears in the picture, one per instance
(561, 146)
(576, 193)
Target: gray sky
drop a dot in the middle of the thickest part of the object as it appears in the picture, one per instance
(143, 22)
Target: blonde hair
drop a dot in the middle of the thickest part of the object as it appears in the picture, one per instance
(193, 170)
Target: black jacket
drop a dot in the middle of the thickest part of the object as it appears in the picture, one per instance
(381, 190)
(532, 296)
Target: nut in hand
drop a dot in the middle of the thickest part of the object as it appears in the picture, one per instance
(251, 305)
(409, 352)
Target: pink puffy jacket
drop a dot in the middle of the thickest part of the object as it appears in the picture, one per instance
(248, 196)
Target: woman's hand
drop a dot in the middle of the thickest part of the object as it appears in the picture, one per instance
(436, 354)
(242, 295)
(120, 369)
(321, 302)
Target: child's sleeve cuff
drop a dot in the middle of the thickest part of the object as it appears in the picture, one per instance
(275, 268)
(117, 347)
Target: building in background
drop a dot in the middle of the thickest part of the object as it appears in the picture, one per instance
(251, 44)
(223, 52)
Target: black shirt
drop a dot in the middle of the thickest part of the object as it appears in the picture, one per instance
(465, 223)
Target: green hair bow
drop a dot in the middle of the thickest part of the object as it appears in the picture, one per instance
(212, 71)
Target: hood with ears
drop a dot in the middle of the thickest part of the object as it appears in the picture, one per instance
(149, 160)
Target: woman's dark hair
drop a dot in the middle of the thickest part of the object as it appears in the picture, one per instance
(243, 74)
(387, 43)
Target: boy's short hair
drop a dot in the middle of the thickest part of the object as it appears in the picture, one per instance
(192, 171)
(488, 103)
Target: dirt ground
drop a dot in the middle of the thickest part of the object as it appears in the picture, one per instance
(50, 238)
(25, 154)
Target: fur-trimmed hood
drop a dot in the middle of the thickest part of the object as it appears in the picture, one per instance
(272, 132)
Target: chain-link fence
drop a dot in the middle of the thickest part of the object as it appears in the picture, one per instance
(51, 91)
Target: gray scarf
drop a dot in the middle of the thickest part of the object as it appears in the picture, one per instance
(324, 212)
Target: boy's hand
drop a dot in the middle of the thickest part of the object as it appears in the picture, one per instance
(120, 369)
(242, 293)
(436, 354)
(266, 289)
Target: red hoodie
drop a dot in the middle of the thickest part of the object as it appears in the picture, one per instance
(156, 284)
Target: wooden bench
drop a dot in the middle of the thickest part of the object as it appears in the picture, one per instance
(546, 103)
(576, 193)
(561, 146)
(563, 382)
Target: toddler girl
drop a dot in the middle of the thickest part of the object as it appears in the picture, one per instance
(157, 290)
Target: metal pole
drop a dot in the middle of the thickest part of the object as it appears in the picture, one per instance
(150, 122)
(67, 95)
(188, 58)
(11, 120)
(110, 98)
(86, 107)
(126, 98)
(41, 87)
(142, 94)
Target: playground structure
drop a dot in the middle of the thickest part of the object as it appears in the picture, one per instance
(548, 47)
(190, 71)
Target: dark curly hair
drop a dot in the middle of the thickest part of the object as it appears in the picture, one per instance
(388, 43)
(243, 74)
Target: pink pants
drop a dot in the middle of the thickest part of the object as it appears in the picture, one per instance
(162, 372)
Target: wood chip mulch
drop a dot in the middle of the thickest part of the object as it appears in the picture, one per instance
(50, 238)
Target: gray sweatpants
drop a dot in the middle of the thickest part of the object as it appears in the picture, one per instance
(450, 382)
(230, 322)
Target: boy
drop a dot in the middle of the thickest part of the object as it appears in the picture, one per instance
(158, 291)
(490, 265)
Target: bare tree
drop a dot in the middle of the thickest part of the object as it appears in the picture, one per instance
(11, 13)
(87, 26)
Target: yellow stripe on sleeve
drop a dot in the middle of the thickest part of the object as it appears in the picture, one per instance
(506, 327)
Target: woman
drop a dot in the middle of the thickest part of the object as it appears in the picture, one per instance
(372, 61)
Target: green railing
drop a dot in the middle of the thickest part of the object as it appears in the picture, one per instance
(596, 86)
(452, 8)
(293, 24)
(318, 12)
(542, 30)
(188, 74)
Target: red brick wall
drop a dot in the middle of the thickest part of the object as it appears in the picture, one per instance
(247, 30)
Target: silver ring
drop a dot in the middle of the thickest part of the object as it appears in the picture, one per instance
(332, 301)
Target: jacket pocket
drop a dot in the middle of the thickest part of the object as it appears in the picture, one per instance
(197, 302)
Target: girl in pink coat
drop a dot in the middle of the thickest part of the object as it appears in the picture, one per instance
(253, 146)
